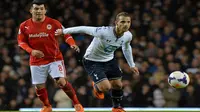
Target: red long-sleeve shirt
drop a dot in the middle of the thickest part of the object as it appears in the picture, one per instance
(41, 36)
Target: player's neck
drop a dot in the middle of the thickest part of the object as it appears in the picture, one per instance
(117, 32)
(38, 21)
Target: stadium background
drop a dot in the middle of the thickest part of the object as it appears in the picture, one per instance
(166, 38)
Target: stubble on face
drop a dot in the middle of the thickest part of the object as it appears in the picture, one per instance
(38, 12)
(123, 24)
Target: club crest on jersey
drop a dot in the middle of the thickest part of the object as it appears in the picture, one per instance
(49, 26)
(108, 41)
(121, 42)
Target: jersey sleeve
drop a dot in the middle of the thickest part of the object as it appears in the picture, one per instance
(67, 37)
(69, 40)
(93, 31)
(23, 40)
(127, 51)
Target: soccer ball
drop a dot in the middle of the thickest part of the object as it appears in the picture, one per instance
(178, 79)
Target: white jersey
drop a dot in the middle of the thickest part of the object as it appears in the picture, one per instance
(105, 43)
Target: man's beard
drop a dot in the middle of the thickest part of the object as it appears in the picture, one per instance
(38, 19)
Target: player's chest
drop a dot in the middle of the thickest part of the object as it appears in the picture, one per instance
(39, 31)
(113, 41)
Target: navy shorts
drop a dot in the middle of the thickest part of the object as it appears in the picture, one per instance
(100, 71)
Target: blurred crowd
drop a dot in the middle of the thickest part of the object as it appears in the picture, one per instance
(166, 39)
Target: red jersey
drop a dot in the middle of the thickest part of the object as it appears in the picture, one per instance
(41, 36)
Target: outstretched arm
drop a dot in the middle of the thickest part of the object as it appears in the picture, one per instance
(68, 38)
(80, 29)
(127, 51)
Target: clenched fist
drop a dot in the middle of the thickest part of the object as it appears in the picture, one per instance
(135, 70)
(76, 48)
(37, 53)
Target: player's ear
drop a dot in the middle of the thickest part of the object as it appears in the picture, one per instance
(46, 11)
(115, 22)
(30, 10)
(46, 7)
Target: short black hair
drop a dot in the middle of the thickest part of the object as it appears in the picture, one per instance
(39, 2)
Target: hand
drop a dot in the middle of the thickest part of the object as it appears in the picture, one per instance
(37, 53)
(135, 70)
(76, 48)
(58, 32)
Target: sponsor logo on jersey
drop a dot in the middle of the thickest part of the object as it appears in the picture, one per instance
(26, 27)
(121, 42)
(49, 26)
(40, 35)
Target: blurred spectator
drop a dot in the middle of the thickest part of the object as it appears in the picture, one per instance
(171, 96)
(83, 96)
(128, 95)
(62, 101)
(143, 97)
(13, 105)
(36, 103)
(188, 97)
(27, 102)
(158, 98)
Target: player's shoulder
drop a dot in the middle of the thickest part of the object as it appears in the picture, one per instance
(128, 34)
(53, 20)
(104, 28)
(107, 27)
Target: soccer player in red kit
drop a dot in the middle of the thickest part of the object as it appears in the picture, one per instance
(36, 36)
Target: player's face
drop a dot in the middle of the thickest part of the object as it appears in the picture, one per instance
(123, 23)
(38, 12)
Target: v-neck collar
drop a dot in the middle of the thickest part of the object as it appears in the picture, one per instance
(117, 37)
(114, 32)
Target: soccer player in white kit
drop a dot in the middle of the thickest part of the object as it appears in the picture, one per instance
(99, 59)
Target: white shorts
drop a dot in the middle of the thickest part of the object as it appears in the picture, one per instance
(39, 73)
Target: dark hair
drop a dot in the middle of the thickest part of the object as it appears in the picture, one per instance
(39, 2)
(122, 14)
